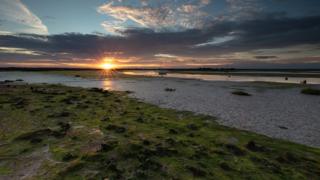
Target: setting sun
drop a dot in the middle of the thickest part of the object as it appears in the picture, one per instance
(107, 66)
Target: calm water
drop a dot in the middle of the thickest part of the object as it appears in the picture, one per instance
(235, 78)
(35, 77)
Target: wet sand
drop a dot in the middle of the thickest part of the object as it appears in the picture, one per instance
(279, 112)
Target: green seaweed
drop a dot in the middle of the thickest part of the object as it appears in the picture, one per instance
(5, 171)
(311, 91)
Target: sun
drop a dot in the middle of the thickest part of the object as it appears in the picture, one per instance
(107, 66)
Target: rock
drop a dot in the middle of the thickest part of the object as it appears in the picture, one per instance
(8, 81)
(283, 127)
(241, 93)
(117, 129)
(96, 90)
(82, 106)
(232, 140)
(197, 172)
(200, 152)
(171, 141)
(36, 136)
(36, 140)
(192, 127)
(108, 146)
(225, 166)
(288, 158)
(140, 119)
(149, 164)
(20, 103)
(252, 146)
(304, 82)
(173, 131)
(274, 167)
(64, 127)
(68, 157)
(64, 114)
(105, 119)
(235, 150)
(146, 142)
(165, 151)
(140, 174)
(59, 115)
(170, 89)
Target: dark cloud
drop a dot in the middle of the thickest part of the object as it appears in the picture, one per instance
(267, 32)
(265, 57)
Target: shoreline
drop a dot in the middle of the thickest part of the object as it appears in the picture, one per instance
(289, 115)
(262, 73)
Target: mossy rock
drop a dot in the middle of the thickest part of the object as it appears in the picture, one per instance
(311, 91)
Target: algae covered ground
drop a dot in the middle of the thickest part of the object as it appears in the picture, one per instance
(58, 132)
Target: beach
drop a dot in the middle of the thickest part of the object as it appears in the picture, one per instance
(281, 112)
(277, 110)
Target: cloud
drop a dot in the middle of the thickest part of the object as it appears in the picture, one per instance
(217, 41)
(165, 56)
(169, 15)
(243, 9)
(221, 43)
(11, 50)
(18, 15)
(265, 57)
(205, 2)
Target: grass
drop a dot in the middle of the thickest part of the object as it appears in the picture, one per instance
(4, 171)
(311, 91)
(76, 133)
(241, 93)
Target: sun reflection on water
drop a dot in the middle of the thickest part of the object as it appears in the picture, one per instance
(108, 84)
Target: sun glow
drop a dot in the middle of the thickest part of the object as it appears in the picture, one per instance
(107, 63)
(107, 66)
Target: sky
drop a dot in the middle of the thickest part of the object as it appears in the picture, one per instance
(160, 33)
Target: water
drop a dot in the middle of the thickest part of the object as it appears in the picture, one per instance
(232, 78)
(35, 77)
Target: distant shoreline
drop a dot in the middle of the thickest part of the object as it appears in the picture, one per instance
(255, 73)
(168, 69)
(312, 73)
